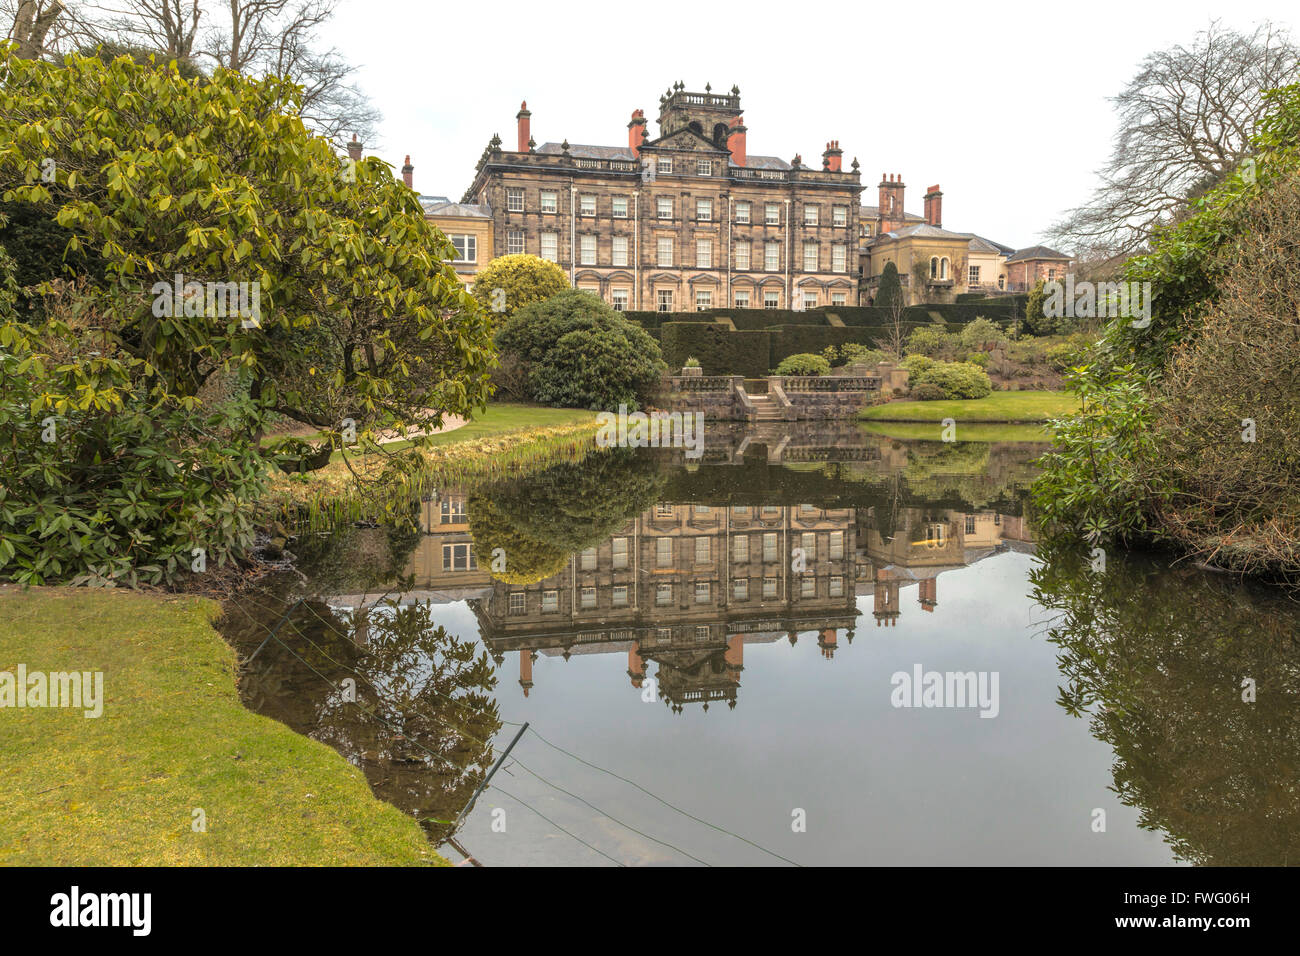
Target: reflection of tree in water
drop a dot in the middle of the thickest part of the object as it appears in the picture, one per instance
(1157, 658)
(424, 711)
(542, 519)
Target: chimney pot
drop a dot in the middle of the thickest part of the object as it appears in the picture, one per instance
(524, 121)
(354, 149)
(408, 173)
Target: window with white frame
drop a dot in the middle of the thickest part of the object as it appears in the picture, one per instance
(550, 201)
(587, 250)
(703, 300)
(663, 635)
(618, 250)
(588, 559)
(771, 300)
(740, 589)
(619, 299)
(839, 298)
(974, 278)
(664, 300)
(769, 588)
(740, 548)
(772, 256)
(810, 256)
(702, 592)
(704, 253)
(458, 557)
(808, 586)
(466, 248)
(551, 246)
(811, 214)
(515, 242)
(586, 205)
(664, 248)
(810, 300)
(741, 299)
(836, 588)
(517, 602)
(742, 211)
(704, 210)
(619, 546)
(704, 167)
(808, 541)
(663, 552)
(839, 257)
(664, 207)
(835, 545)
(550, 601)
(620, 207)
(703, 550)
(618, 595)
(772, 214)
(664, 594)
(514, 199)
(839, 215)
(664, 165)
(769, 546)
(588, 598)
(452, 511)
(742, 255)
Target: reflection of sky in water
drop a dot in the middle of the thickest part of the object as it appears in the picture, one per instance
(879, 784)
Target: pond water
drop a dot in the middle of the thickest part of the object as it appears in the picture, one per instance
(713, 659)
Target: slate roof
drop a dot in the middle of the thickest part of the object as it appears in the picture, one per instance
(980, 244)
(763, 162)
(873, 212)
(1036, 252)
(924, 231)
(580, 151)
(442, 206)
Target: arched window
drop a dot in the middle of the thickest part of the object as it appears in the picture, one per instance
(934, 267)
(943, 268)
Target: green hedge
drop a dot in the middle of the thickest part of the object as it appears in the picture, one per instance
(720, 350)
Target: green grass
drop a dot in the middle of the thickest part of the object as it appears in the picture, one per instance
(1002, 407)
(980, 432)
(500, 418)
(120, 789)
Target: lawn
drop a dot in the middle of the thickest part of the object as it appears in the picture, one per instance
(980, 432)
(501, 418)
(123, 788)
(1004, 407)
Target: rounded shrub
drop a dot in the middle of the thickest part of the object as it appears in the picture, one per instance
(926, 392)
(957, 379)
(574, 351)
(804, 363)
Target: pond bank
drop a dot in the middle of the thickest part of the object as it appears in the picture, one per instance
(173, 745)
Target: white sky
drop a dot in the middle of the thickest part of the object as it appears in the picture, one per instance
(1004, 104)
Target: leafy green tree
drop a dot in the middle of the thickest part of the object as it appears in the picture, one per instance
(189, 193)
(509, 283)
(575, 351)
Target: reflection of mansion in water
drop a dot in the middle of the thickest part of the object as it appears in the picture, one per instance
(687, 586)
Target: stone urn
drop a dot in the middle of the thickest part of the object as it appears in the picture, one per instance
(690, 370)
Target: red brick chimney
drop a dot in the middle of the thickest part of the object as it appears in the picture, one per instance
(891, 202)
(523, 117)
(354, 149)
(736, 140)
(934, 206)
(636, 132)
(408, 173)
(833, 157)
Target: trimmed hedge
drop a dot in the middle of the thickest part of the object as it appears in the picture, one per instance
(720, 350)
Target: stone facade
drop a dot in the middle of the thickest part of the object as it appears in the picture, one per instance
(687, 220)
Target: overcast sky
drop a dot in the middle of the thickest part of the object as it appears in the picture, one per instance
(1002, 104)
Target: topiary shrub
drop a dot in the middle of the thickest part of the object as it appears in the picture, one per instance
(803, 363)
(957, 379)
(575, 351)
(510, 283)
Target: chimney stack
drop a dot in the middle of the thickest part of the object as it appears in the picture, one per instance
(523, 117)
(736, 140)
(354, 149)
(833, 158)
(408, 173)
(636, 132)
(934, 206)
(891, 202)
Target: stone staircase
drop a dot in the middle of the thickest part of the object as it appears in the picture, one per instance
(767, 408)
